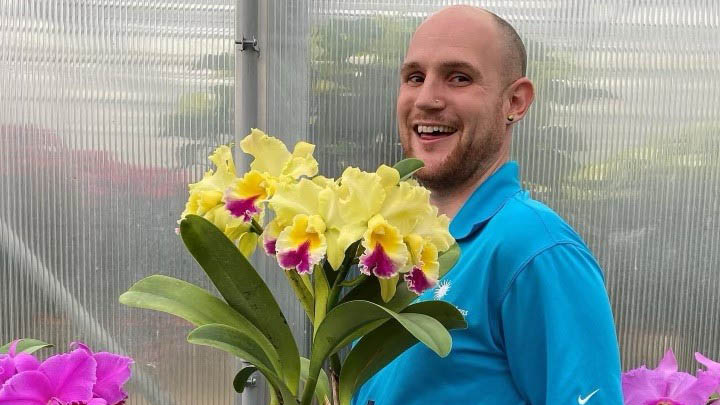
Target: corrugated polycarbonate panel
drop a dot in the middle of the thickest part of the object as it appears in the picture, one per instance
(623, 139)
(107, 110)
(283, 113)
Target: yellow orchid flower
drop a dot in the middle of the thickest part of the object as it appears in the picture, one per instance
(405, 206)
(273, 158)
(207, 194)
(302, 245)
(245, 195)
(272, 166)
(425, 266)
(360, 195)
(435, 228)
(237, 230)
(206, 200)
(271, 232)
(385, 252)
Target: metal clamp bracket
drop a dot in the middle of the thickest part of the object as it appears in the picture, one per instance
(246, 44)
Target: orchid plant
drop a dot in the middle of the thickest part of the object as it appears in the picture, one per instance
(79, 377)
(665, 385)
(317, 229)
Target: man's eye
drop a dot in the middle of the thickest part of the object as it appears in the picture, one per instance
(460, 79)
(415, 78)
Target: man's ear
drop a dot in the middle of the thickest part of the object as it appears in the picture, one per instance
(519, 96)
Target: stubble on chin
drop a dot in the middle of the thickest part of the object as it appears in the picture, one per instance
(462, 165)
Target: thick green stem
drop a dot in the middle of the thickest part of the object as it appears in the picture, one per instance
(342, 273)
(321, 297)
(303, 294)
(337, 286)
(352, 283)
(255, 226)
(309, 389)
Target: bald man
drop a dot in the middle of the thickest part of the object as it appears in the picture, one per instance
(540, 329)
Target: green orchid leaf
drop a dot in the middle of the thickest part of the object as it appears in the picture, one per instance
(195, 305)
(448, 258)
(28, 346)
(348, 320)
(322, 389)
(379, 347)
(239, 344)
(241, 378)
(408, 167)
(243, 289)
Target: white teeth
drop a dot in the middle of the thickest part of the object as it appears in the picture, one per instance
(428, 129)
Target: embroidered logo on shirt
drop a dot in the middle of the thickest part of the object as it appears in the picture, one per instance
(442, 288)
(582, 401)
(441, 291)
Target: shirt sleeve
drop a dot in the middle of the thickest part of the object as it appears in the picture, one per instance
(558, 330)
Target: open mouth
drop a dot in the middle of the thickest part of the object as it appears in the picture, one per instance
(433, 132)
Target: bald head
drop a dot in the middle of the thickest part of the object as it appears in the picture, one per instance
(513, 57)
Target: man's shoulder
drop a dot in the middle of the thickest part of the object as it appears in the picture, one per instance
(521, 229)
(525, 222)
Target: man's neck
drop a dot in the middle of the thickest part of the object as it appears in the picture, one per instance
(449, 202)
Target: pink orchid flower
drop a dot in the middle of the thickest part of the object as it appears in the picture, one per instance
(713, 367)
(665, 385)
(13, 363)
(60, 380)
(113, 371)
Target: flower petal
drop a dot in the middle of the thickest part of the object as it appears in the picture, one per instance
(7, 368)
(667, 365)
(712, 366)
(298, 259)
(642, 385)
(26, 362)
(302, 244)
(27, 388)
(389, 176)
(385, 253)
(208, 192)
(302, 162)
(418, 281)
(72, 375)
(296, 198)
(271, 154)
(112, 372)
(436, 228)
(244, 196)
(688, 390)
(361, 195)
(388, 286)
(247, 243)
(405, 206)
(242, 208)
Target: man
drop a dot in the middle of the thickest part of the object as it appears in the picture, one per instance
(540, 329)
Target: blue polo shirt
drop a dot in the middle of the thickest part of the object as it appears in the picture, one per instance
(540, 329)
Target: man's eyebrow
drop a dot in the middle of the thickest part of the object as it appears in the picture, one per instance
(446, 66)
(409, 66)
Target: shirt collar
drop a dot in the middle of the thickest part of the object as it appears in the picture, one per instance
(486, 200)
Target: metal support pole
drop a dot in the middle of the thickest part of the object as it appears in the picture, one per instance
(247, 55)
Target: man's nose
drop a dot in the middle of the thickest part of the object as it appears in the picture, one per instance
(430, 96)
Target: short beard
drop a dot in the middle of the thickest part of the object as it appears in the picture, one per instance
(464, 164)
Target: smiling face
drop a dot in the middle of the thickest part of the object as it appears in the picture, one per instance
(449, 106)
